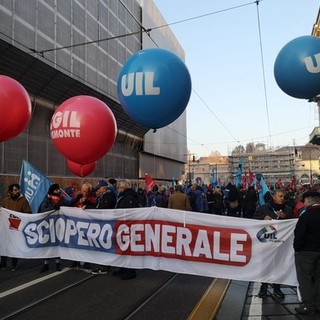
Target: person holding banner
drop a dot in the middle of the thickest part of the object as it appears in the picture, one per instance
(306, 245)
(86, 199)
(106, 198)
(127, 198)
(15, 201)
(273, 210)
(52, 202)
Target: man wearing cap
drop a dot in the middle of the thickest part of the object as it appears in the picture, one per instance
(127, 198)
(307, 253)
(106, 196)
(106, 199)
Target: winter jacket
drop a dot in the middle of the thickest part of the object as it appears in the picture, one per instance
(180, 201)
(306, 233)
(127, 199)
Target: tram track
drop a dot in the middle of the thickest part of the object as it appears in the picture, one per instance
(149, 297)
(74, 294)
(45, 299)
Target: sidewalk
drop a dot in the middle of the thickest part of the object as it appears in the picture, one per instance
(272, 308)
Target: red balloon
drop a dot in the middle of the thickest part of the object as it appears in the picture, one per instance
(81, 170)
(15, 108)
(83, 129)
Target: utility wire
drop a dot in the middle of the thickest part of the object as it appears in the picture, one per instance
(144, 30)
(204, 15)
(263, 73)
(210, 110)
(148, 32)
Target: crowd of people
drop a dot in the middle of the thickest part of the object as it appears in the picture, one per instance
(300, 202)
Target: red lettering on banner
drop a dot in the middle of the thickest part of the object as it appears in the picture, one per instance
(189, 242)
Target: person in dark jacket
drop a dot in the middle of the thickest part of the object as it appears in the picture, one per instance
(127, 198)
(196, 198)
(273, 210)
(15, 201)
(306, 245)
(155, 198)
(51, 202)
(54, 200)
(106, 198)
(250, 202)
(218, 204)
(232, 201)
(142, 198)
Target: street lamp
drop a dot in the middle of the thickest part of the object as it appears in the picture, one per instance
(190, 177)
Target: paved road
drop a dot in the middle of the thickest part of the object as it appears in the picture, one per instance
(73, 294)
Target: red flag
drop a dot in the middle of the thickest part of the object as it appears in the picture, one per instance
(293, 182)
(150, 183)
(251, 177)
(244, 181)
(280, 184)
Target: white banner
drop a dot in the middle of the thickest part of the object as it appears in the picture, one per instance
(158, 239)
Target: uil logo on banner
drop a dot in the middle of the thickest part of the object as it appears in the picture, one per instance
(14, 222)
(267, 234)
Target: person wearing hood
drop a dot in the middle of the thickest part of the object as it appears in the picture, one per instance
(15, 201)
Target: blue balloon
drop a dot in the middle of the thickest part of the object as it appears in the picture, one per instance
(297, 67)
(154, 87)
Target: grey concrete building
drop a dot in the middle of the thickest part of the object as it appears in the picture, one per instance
(58, 49)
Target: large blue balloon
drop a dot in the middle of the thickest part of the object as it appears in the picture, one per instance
(297, 67)
(154, 87)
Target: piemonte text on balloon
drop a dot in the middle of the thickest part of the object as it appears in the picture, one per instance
(83, 129)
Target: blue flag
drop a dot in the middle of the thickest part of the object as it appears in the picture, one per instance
(213, 179)
(34, 185)
(239, 174)
(263, 188)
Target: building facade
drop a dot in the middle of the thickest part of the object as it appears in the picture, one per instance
(60, 49)
(284, 164)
